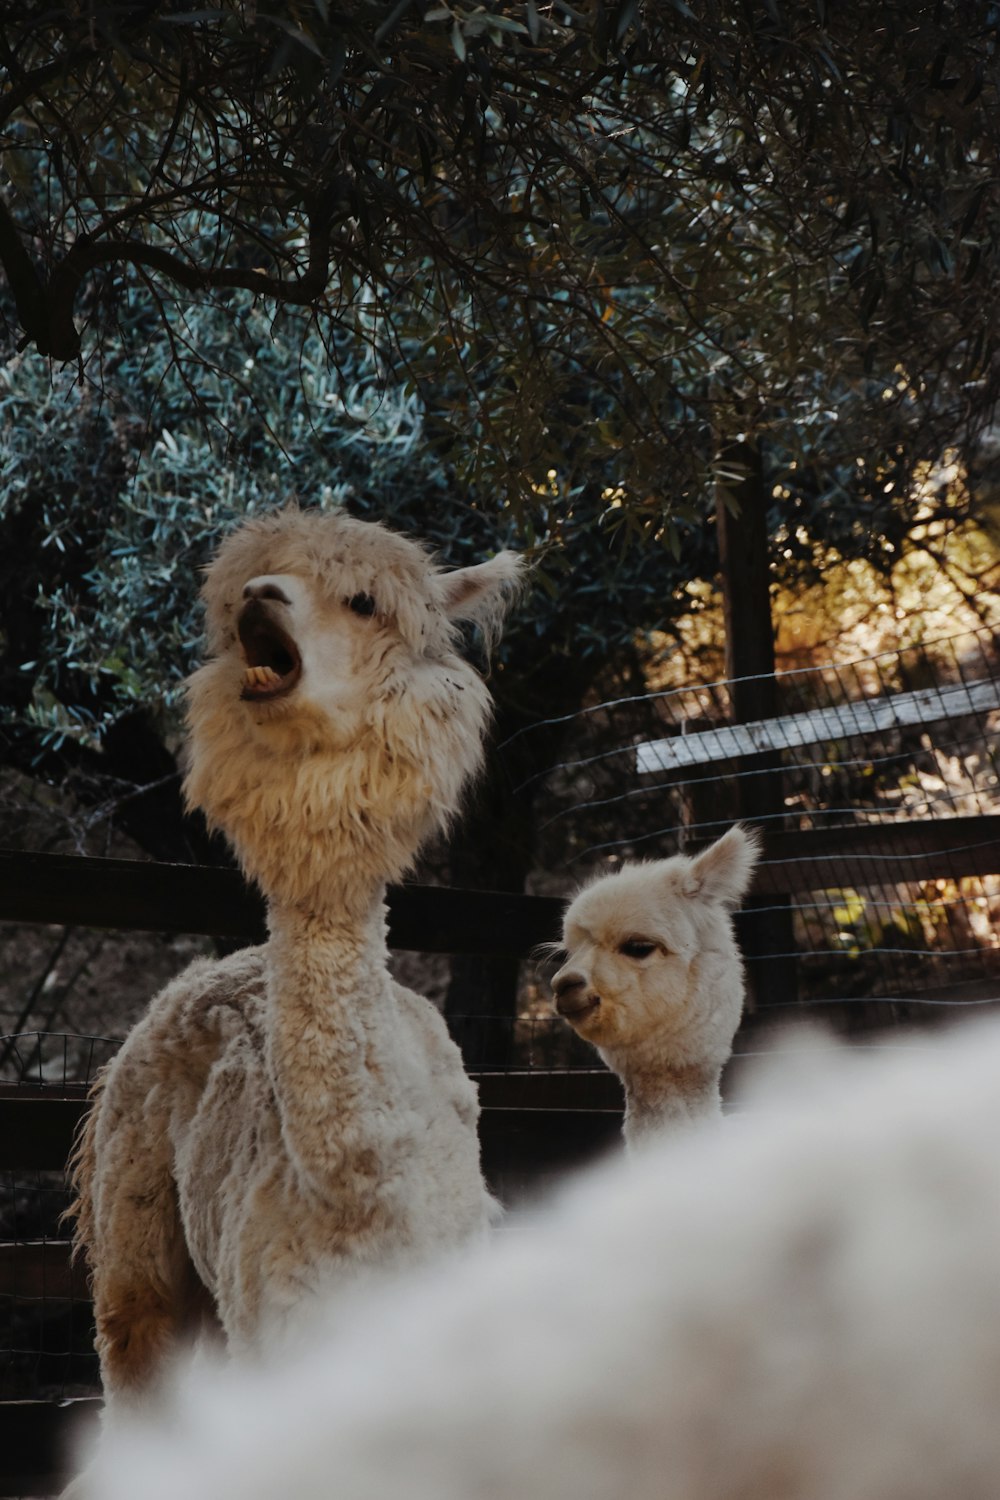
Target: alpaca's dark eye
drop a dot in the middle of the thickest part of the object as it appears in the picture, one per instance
(362, 604)
(636, 948)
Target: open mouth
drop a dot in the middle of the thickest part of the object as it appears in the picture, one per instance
(273, 663)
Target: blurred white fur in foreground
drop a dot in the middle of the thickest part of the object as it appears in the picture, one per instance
(805, 1304)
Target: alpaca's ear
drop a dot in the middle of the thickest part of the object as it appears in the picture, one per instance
(722, 872)
(482, 593)
(468, 592)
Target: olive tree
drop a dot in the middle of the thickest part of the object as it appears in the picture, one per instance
(606, 234)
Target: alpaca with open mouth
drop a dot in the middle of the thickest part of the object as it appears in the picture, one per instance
(289, 1116)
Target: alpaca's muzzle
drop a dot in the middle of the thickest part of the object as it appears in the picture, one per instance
(572, 996)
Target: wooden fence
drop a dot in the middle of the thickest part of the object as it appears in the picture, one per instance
(533, 1123)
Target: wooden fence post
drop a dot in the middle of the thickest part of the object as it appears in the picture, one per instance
(741, 507)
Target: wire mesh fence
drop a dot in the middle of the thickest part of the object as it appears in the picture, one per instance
(53, 1059)
(899, 742)
(855, 743)
(46, 1321)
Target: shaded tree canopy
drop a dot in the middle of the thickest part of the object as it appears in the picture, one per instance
(592, 237)
(495, 271)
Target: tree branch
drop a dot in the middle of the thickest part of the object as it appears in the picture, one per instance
(51, 322)
(33, 308)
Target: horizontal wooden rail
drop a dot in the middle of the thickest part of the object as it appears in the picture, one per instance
(572, 1089)
(132, 895)
(36, 1134)
(818, 859)
(42, 1271)
(37, 1441)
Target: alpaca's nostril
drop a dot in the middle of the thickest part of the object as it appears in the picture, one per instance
(263, 588)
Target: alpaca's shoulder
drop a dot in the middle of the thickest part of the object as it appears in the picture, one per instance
(209, 986)
(209, 1001)
(427, 1036)
(418, 1014)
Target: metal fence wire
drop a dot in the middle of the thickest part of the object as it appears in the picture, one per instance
(46, 1320)
(904, 738)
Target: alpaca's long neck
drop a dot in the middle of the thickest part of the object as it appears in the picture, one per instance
(661, 1096)
(330, 1006)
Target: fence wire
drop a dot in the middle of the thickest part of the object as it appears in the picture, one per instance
(904, 739)
(46, 1319)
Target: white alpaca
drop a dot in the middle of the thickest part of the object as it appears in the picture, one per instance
(290, 1114)
(654, 980)
(803, 1307)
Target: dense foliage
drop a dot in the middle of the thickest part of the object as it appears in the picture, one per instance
(607, 235)
(108, 520)
(522, 271)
